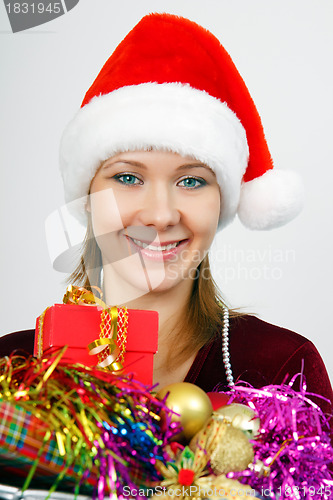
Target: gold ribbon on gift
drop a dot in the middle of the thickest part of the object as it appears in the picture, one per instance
(106, 345)
(79, 296)
(40, 334)
(111, 344)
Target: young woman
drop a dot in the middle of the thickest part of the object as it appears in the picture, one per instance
(166, 149)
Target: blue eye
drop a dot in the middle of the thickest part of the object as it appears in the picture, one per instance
(128, 179)
(192, 182)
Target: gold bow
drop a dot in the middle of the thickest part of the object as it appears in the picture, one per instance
(79, 295)
(110, 354)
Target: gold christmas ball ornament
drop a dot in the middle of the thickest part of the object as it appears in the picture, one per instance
(241, 417)
(225, 447)
(192, 405)
(233, 453)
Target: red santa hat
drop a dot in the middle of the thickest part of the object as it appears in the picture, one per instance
(170, 85)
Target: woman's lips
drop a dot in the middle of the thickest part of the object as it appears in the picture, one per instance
(153, 251)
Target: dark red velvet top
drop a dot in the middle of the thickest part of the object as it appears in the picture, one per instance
(260, 354)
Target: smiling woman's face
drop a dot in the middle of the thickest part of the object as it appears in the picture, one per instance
(159, 206)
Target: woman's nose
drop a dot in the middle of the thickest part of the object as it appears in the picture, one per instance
(159, 208)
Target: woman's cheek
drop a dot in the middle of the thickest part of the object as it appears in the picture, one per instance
(206, 207)
(205, 220)
(127, 208)
(105, 213)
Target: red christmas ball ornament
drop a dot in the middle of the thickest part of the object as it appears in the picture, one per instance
(175, 447)
(218, 399)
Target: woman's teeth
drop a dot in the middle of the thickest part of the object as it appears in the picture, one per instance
(156, 248)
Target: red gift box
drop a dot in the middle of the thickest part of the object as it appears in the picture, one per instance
(78, 325)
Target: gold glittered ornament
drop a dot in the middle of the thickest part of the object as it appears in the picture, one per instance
(241, 417)
(192, 405)
(233, 453)
(227, 448)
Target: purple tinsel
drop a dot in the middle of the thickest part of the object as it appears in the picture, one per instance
(293, 445)
(127, 451)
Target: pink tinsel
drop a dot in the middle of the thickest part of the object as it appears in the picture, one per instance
(293, 442)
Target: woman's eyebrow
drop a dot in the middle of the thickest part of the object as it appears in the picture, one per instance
(196, 165)
(132, 163)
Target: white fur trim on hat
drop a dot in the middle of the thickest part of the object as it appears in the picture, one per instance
(271, 200)
(170, 116)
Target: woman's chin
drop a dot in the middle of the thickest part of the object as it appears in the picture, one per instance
(124, 286)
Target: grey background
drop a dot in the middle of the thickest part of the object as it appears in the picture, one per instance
(283, 50)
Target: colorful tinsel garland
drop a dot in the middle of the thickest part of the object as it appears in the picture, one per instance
(112, 433)
(106, 423)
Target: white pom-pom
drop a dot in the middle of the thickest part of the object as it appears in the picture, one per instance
(271, 200)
